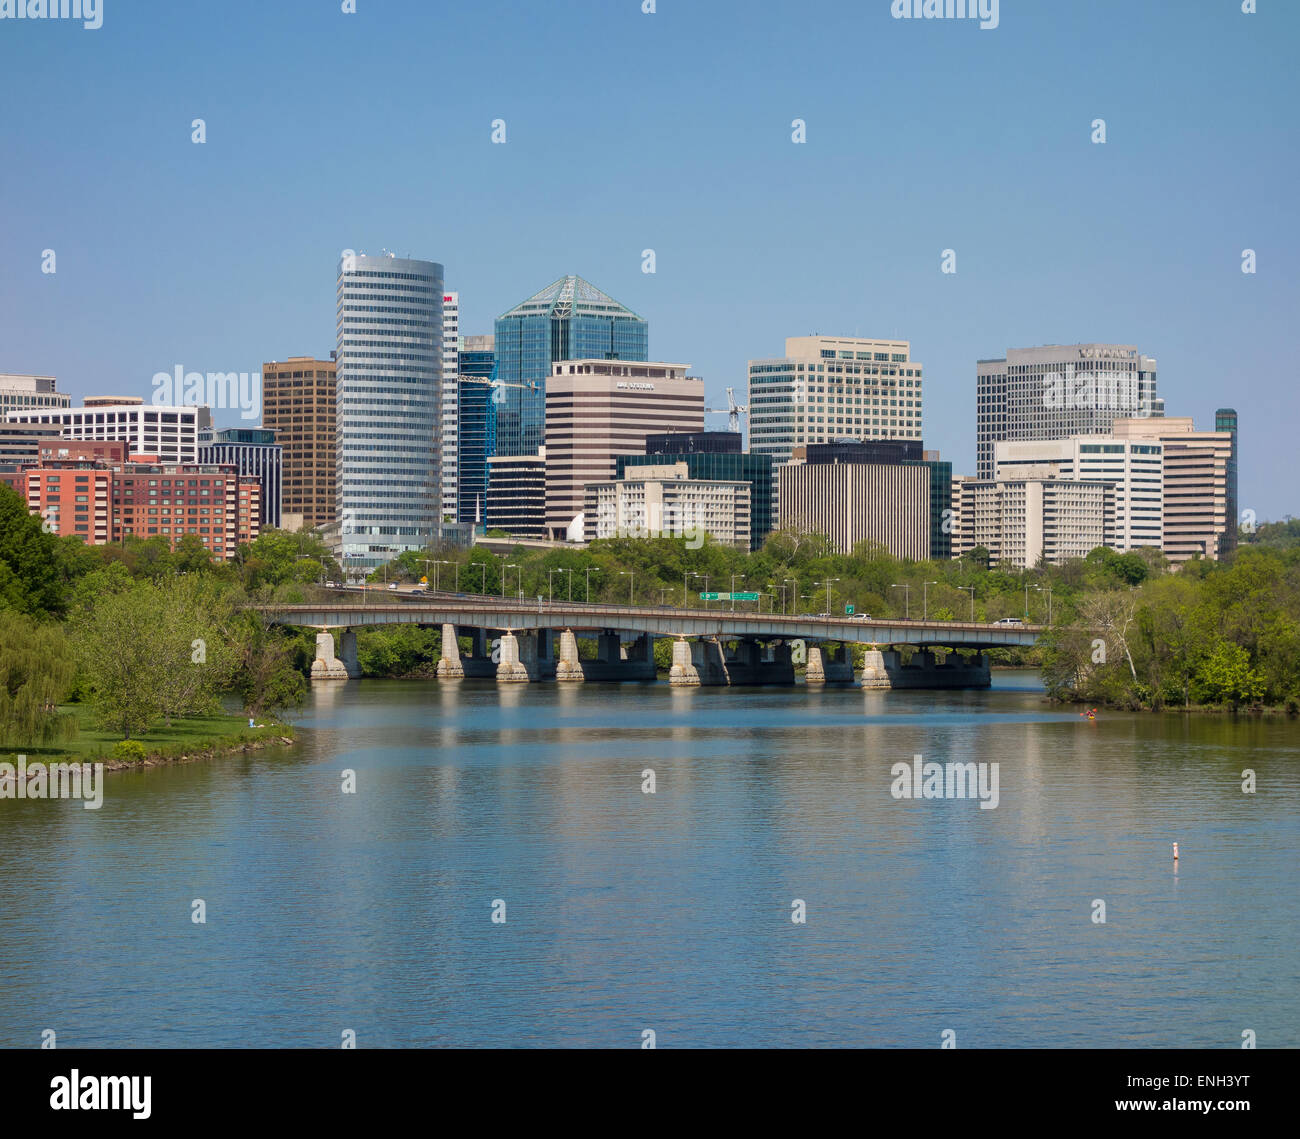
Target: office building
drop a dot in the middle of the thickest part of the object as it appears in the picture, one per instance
(1024, 521)
(254, 453)
(570, 319)
(299, 404)
(476, 425)
(1134, 467)
(826, 388)
(1056, 391)
(389, 357)
(18, 441)
(1199, 516)
(712, 456)
(450, 403)
(171, 434)
(852, 498)
(664, 500)
(516, 494)
(599, 409)
(961, 515)
(29, 393)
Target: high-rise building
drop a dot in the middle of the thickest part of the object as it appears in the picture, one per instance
(848, 493)
(450, 403)
(18, 441)
(1023, 521)
(476, 427)
(25, 393)
(1134, 467)
(1056, 391)
(255, 454)
(599, 409)
(570, 319)
(299, 403)
(1199, 482)
(711, 456)
(666, 500)
(829, 387)
(171, 434)
(516, 495)
(390, 346)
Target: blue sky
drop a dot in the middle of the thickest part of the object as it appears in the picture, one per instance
(670, 132)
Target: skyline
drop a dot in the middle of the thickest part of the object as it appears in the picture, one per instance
(221, 256)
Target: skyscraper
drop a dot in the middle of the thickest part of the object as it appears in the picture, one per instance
(570, 319)
(389, 359)
(1057, 391)
(450, 401)
(299, 403)
(827, 388)
(476, 426)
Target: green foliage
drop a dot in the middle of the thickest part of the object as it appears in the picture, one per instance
(1225, 676)
(133, 751)
(30, 581)
(37, 666)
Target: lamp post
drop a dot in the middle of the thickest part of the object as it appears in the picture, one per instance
(631, 582)
(733, 589)
(925, 599)
(971, 590)
(907, 600)
(589, 569)
(439, 562)
(793, 595)
(550, 585)
(829, 606)
(505, 573)
(1027, 601)
(482, 587)
(1043, 589)
(685, 578)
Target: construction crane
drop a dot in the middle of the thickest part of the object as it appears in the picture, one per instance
(733, 411)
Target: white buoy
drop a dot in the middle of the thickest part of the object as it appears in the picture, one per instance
(1175, 852)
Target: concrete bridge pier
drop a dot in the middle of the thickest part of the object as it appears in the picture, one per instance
(327, 666)
(569, 666)
(615, 660)
(683, 674)
(755, 663)
(516, 652)
(449, 666)
(874, 672)
(710, 661)
(348, 653)
(829, 664)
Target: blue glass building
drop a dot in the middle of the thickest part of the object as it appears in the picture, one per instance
(477, 427)
(570, 319)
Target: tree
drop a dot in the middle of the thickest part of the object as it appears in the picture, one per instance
(37, 666)
(265, 678)
(29, 563)
(1226, 677)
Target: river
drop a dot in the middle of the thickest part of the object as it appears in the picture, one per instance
(669, 912)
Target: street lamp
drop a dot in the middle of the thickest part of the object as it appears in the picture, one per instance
(589, 569)
(505, 573)
(794, 594)
(549, 585)
(971, 590)
(907, 600)
(685, 578)
(733, 589)
(829, 606)
(1048, 590)
(439, 562)
(631, 582)
(482, 587)
(925, 599)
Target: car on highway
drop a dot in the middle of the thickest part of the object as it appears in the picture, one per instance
(393, 585)
(1009, 621)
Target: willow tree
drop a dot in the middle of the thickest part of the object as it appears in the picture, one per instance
(37, 668)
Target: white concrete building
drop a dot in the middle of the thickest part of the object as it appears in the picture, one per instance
(1135, 468)
(29, 393)
(170, 433)
(450, 403)
(1020, 521)
(664, 501)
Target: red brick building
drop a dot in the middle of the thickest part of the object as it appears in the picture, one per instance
(89, 490)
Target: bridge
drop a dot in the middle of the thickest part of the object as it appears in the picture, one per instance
(514, 640)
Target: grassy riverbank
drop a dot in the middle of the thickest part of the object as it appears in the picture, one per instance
(197, 737)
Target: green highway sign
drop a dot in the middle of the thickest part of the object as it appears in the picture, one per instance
(744, 597)
(710, 596)
(848, 609)
(728, 596)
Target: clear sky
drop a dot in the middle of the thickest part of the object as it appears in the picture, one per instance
(672, 132)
